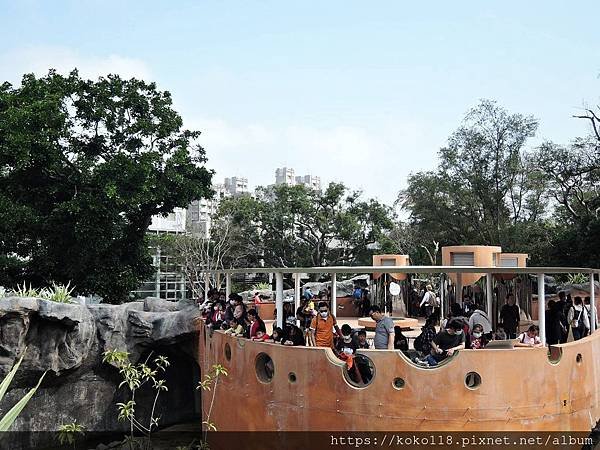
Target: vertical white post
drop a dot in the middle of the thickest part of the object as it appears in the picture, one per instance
(227, 285)
(334, 294)
(206, 285)
(489, 295)
(279, 298)
(542, 307)
(385, 289)
(592, 303)
(296, 291)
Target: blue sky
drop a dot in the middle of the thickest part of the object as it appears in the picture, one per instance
(358, 92)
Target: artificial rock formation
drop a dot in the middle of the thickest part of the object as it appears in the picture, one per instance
(67, 341)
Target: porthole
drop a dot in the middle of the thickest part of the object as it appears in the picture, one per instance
(554, 354)
(265, 369)
(579, 358)
(362, 372)
(398, 383)
(227, 352)
(473, 380)
(292, 377)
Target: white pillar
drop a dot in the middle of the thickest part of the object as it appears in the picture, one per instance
(458, 289)
(296, 292)
(442, 288)
(592, 303)
(206, 285)
(227, 285)
(542, 307)
(489, 294)
(334, 294)
(279, 298)
(157, 278)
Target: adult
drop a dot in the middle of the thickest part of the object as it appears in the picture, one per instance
(423, 341)
(578, 319)
(384, 329)
(400, 341)
(446, 343)
(510, 316)
(292, 335)
(428, 301)
(481, 318)
(587, 306)
(256, 324)
(308, 295)
(529, 338)
(564, 308)
(322, 326)
(555, 319)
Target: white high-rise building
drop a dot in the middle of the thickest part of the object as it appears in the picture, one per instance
(285, 175)
(236, 185)
(310, 181)
(173, 223)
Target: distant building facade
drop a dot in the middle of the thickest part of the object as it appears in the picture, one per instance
(285, 175)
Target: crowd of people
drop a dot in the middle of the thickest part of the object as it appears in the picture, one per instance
(465, 327)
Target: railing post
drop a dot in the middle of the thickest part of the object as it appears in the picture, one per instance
(592, 303)
(296, 292)
(542, 307)
(489, 294)
(279, 298)
(227, 285)
(334, 294)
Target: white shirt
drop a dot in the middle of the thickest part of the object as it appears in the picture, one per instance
(525, 339)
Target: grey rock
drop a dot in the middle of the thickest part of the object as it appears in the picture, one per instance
(68, 341)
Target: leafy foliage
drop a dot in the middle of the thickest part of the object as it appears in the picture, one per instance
(84, 165)
(134, 377)
(295, 226)
(68, 433)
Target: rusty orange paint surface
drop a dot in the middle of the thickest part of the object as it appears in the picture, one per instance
(520, 390)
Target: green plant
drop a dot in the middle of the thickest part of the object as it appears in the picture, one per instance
(25, 291)
(262, 286)
(134, 377)
(8, 418)
(577, 278)
(60, 293)
(68, 433)
(210, 383)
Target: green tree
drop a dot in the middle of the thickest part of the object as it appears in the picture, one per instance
(84, 165)
(485, 189)
(295, 225)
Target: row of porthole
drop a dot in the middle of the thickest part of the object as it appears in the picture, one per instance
(265, 370)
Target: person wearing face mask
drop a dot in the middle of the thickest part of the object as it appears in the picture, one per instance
(445, 343)
(322, 326)
(477, 339)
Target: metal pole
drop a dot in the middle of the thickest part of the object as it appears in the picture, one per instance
(489, 297)
(279, 298)
(157, 279)
(334, 294)
(385, 293)
(296, 291)
(592, 303)
(227, 285)
(442, 297)
(542, 307)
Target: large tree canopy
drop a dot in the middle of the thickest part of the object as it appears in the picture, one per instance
(298, 226)
(84, 165)
(485, 190)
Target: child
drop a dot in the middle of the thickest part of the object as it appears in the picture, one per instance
(476, 339)
(362, 340)
(500, 334)
(276, 335)
(530, 338)
(235, 328)
(261, 336)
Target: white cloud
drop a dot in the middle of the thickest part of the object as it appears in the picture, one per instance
(39, 59)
